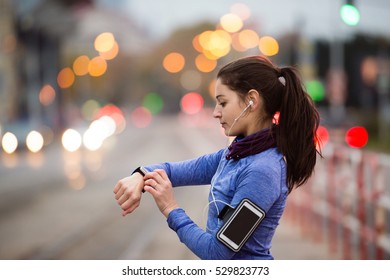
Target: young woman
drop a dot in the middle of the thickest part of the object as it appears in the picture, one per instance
(265, 162)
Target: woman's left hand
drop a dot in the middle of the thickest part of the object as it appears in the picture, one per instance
(159, 186)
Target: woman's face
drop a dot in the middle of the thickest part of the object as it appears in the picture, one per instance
(228, 108)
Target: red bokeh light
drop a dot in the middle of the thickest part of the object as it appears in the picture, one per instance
(322, 136)
(192, 103)
(356, 137)
(141, 117)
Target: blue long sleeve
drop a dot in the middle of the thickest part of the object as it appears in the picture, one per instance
(260, 177)
(198, 171)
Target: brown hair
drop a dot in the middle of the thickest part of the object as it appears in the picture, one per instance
(282, 91)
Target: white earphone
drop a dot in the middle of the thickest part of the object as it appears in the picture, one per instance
(243, 111)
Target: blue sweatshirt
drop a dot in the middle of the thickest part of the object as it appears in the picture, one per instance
(260, 177)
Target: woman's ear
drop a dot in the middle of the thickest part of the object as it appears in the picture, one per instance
(254, 98)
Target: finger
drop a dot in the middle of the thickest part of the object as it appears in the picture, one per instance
(117, 187)
(162, 173)
(119, 194)
(151, 190)
(151, 182)
(155, 176)
(123, 198)
(130, 209)
(130, 205)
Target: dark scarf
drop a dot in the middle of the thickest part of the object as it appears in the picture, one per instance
(252, 144)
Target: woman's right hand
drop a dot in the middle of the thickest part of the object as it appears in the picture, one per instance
(128, 192)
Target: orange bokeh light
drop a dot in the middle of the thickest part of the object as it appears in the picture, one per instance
(104, 42)
(47, 95)
(196, 44)
(231, 22)
(215, 44)
(80, 65)
(174, 62)
(204, 64)
(248, 38)
(212, 88)
(97, 66)
(112, 53)
(268, 46)
(65, 78)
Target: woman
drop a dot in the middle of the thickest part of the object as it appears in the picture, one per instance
(267, 159)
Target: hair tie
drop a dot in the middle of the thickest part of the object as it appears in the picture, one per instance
(282, 80)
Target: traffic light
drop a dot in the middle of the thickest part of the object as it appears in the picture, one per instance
(349, 13)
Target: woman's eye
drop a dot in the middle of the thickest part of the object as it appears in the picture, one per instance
(222, 104)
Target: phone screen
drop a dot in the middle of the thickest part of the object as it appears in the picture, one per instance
(241, 225)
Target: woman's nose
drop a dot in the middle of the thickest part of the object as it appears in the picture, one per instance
(216, 113)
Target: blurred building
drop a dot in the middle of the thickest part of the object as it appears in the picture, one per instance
(38, 38)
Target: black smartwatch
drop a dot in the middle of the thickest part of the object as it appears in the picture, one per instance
(141, 170)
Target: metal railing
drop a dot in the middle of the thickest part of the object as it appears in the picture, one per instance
(346, 203)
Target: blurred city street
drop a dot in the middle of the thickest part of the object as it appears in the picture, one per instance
(47, 215)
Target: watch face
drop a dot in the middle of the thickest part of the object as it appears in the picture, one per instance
(143, 170)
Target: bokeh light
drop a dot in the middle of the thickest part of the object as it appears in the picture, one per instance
(212, 88)
(192, 103)
(112, 53)
(268, 45)
(104, 42)
(215, 44)
(153, 102)
(98, 131)
(9, 142)
(322, 137)
(97, 66)
(190, 80)
(236, 44)
(356, 137)
(350, 14)
(80, 65)
(173, 62)
(90, 109)
(141, 117)
(241, 10)
(204, 64)
(34, 141)
(65, 78)
(71, 140)
(316, 90)
(47, 95)
(115, 113)
(369, 70)
(231, 22)
(248, 38)
(196, 44)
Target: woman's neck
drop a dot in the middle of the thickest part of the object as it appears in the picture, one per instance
(259, 125)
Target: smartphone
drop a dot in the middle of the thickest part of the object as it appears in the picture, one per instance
(240, 225)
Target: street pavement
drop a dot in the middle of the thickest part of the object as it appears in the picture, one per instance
(60, 205)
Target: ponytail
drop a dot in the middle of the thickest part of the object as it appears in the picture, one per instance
(296, 132)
